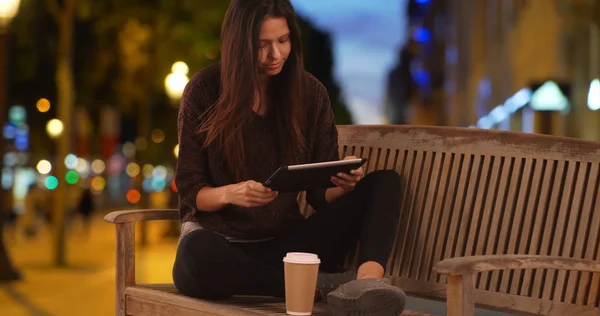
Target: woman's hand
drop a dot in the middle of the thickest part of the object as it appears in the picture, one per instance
(249, 194)
(348, 181)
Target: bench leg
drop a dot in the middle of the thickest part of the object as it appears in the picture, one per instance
(460, 295)
(125, 263)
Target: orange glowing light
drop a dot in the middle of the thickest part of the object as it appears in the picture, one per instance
(43, 105)
(133, 196)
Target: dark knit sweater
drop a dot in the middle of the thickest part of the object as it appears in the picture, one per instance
(198, 168)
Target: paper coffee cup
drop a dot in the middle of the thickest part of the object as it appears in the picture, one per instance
(301, 271)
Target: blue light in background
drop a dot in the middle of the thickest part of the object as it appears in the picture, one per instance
(421, 77)
(21, 143)
(422, 35)
(422, 1)
(8, 178)
(147, 185)
(158, 184)
(23, 130)
(9, 131)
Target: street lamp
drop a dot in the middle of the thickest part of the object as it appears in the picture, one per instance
(54, 128)
(8, 10)
(176, 81)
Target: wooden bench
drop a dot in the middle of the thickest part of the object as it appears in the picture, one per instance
(503, 220)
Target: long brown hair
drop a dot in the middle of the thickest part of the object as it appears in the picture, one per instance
(224, 121)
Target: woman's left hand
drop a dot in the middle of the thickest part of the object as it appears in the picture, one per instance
(348, 181)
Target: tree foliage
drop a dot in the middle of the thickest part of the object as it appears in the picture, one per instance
(124, 50)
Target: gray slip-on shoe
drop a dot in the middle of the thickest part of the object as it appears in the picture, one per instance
(367, 297)
(328, 282)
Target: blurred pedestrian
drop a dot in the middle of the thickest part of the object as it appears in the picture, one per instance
(34, 212)
(85, 209)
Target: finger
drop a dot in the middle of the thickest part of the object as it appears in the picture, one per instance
(257, 186)
(347, 177)
(263, 195)
(342, 183)
(357, 172)
(336, 181)
(350, 158)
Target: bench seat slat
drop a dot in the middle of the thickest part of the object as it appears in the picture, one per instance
(162, 299)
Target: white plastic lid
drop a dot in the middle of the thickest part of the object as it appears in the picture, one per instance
(301, 258)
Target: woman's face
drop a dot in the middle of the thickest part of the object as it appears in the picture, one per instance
(274, 46)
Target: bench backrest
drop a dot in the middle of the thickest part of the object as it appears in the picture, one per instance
(476, 192)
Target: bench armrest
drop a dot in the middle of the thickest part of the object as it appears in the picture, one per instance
(461, 274)
(125, 247)
(134, 216)
(476, 264)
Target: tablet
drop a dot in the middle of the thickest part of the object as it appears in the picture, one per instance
(298, 178)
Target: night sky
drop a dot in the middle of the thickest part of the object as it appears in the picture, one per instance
(367, 36)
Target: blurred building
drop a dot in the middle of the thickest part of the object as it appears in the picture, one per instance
(493, 54)
(415, 88)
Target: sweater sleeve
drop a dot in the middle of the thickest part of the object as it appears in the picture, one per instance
(192, 171)
(326, 142)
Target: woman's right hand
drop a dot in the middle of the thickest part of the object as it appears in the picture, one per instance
(249, 194)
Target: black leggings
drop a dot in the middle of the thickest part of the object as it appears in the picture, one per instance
(210, 267)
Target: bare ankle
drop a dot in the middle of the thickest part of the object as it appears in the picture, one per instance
(370, 270)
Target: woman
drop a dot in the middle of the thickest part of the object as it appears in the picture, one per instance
(239, 121)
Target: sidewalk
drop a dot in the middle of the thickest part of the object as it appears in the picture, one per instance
(86, 286)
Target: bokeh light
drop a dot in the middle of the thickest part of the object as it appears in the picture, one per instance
(51, 183)
(98, 166)
(170, 174)
(180, 67)
(10, 159)
(133, 196)
(17, 115)
(72, 177)
(22, 130)
(9, 131)
(116, 164)
(160, 172)
(98, 184)
(71, 161)
(176, 81)
(147, 185)
(175, 85)
(158, 136)
(54, 128)
(44, 167)
(158, 185)
(174, 186)
(132, 169)
(176, 151)
(43, 105)
(147, 171)
(129, 150)
(21, 143)
(8, 178)
(141, 143)
(83, 167)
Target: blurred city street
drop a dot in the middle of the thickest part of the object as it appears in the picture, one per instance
(91, 107)
(86, 286)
